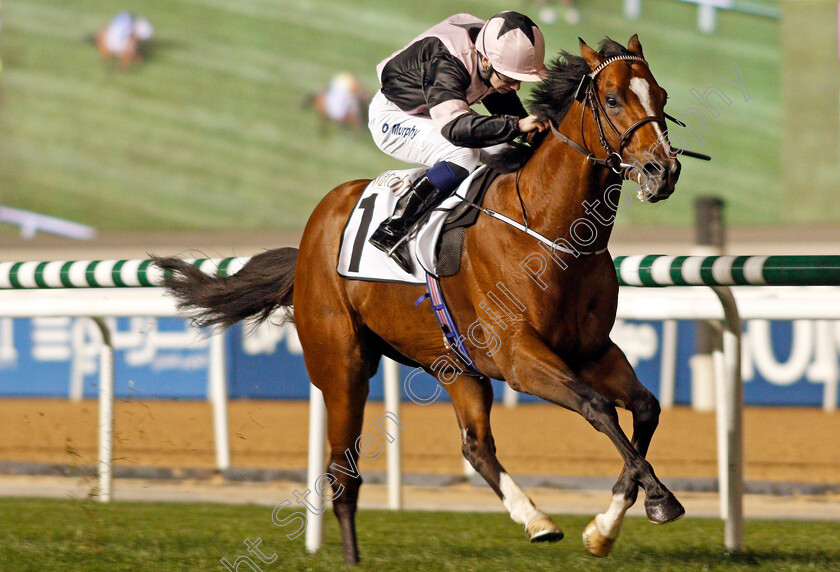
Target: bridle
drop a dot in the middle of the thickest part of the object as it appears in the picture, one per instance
(588, 91)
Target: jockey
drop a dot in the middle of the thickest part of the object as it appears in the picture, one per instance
(119, 35)
(120, 39)
(422, 114)
(342, 99)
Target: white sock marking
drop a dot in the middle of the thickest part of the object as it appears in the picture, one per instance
(517, 503)
(609, 523)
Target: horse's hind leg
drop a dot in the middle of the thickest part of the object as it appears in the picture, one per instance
(472, 399)
(613, 376)
(341, 371)
(344, 425)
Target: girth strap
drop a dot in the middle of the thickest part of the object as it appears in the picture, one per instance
(451, 335)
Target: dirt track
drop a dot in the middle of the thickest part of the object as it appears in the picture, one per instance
(794, 445)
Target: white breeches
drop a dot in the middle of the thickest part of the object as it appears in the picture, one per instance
(118, 39)
(414, 138)
(341, 103)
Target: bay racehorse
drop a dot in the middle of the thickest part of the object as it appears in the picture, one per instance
(608, 124)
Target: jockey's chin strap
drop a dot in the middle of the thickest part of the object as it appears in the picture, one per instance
(588, 91)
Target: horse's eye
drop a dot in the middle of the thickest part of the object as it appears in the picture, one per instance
(611, 101)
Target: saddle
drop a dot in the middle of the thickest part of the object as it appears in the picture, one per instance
(462, 217)
(436, 247)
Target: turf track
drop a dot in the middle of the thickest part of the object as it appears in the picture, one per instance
(209, 133)
(85, 536)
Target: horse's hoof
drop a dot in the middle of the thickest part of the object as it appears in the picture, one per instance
(543, 530)
(663, 510)
(596, 543)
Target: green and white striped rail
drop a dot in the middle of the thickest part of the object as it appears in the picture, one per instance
(638, 270)
(136, 273)
(660, 270)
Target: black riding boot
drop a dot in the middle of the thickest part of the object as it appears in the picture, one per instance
(416, 202)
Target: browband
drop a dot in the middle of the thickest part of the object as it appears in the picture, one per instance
(608, 61)
(580, 93)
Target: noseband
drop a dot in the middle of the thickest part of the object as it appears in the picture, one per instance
(588, 91)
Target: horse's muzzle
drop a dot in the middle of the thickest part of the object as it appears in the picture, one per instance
(657, 179)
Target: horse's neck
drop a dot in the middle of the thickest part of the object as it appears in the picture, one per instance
(560, 188)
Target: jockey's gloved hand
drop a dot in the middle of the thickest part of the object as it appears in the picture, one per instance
(532, 123)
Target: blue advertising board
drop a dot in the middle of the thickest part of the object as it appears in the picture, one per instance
(783, 363)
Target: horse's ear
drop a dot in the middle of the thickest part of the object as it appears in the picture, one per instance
(592, 57)
(635, 46)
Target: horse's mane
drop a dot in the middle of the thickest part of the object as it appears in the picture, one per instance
(551, 99)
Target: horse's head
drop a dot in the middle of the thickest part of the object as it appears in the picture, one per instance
(626, 113)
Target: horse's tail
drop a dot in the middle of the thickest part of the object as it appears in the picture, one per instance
(264, 284)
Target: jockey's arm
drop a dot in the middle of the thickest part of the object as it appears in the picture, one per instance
(445, 91)
(505, 104)
(465, 128)
(510, 104)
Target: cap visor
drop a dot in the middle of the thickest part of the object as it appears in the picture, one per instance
(538, 75)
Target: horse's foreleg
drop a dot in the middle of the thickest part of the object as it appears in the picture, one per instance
(534, 368)
(613, 376)
(600, 535)
(472, 399)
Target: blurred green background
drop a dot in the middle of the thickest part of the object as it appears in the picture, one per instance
(210, 134)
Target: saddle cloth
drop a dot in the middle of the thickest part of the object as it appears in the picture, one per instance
(360, 260)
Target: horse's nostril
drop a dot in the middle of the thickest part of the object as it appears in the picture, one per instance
(654, 169)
